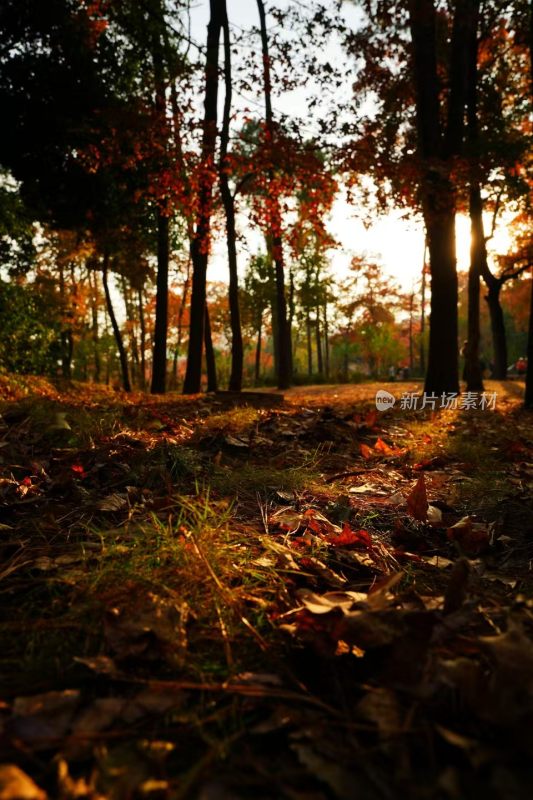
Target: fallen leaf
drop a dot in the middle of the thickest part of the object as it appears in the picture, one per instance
(349, 538)
(417, 502)
(113, 502)
(324, 603)
(472, 537)
(366, 451)
(16, 785)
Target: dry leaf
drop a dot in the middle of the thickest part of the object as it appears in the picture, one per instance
(417, 501)
(16, 785)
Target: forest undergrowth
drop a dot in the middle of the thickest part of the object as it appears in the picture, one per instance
(264, 596)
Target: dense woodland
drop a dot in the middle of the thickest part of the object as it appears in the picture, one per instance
(230, 567)
(128, 149)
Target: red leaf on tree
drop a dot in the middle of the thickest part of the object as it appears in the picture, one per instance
(417, 501)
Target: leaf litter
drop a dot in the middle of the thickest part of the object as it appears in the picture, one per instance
(307, 584)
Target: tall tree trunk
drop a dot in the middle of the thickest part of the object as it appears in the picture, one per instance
(159, 366)
(326, 339)
(143, 337)
(411, 348)
(319, 359)
(66, 335)
(423, 315)
(257, 375)
(528, 399)
(437, 147)
(309, 341)
(497, 326)
(159, 362)
(130, 318)
(284, 365)
(200, 241)
(94, 323)
(211, 367)
(237, 355)
(478, 254)
(116, 330)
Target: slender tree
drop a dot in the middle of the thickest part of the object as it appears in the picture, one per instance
(282, 332)
(116, 330)
(235, 381)
(200, 241)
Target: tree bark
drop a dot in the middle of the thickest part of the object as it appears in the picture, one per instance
(497, 325)
(159, 366)
(142, 326)
(94, 324)
(258, 350)
(237, 355)
(478, 253)
(211, 367)
(326, 339)
(116, 330)
(437, 147)
(528, 398)
(284, 364)
(200, 240)
(159, 363)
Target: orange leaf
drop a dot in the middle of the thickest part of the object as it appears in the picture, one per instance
(349, 538)
(366, 451)
(417, 501)
(383, 447)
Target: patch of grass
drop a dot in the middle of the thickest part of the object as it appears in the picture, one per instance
(235, 421)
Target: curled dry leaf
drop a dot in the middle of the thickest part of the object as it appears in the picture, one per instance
(324, 603)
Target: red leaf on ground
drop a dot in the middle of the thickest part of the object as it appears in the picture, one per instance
(383, 447)
(366, 451)
(472, 537)
(350, 538)
(371, 418)
(417, 501)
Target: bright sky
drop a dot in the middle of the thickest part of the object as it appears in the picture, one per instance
(392, 240)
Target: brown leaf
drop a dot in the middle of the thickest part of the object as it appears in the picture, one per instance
(417, 501)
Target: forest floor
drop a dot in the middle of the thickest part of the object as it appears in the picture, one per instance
(275, 597)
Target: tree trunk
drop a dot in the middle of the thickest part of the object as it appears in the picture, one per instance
(284, 366)
(497, 325)
(320, 360)
(116, 330)
(143, 337)
(423, 315)
(528, 399)
(326, 339)
(94, 324)
(438, 145)
(258, 350)
(159, 362)
(237, 355)
(200, 241)
(159, 365)
(478, 254)
(212, 383)
(443, 369)
(309, 341)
